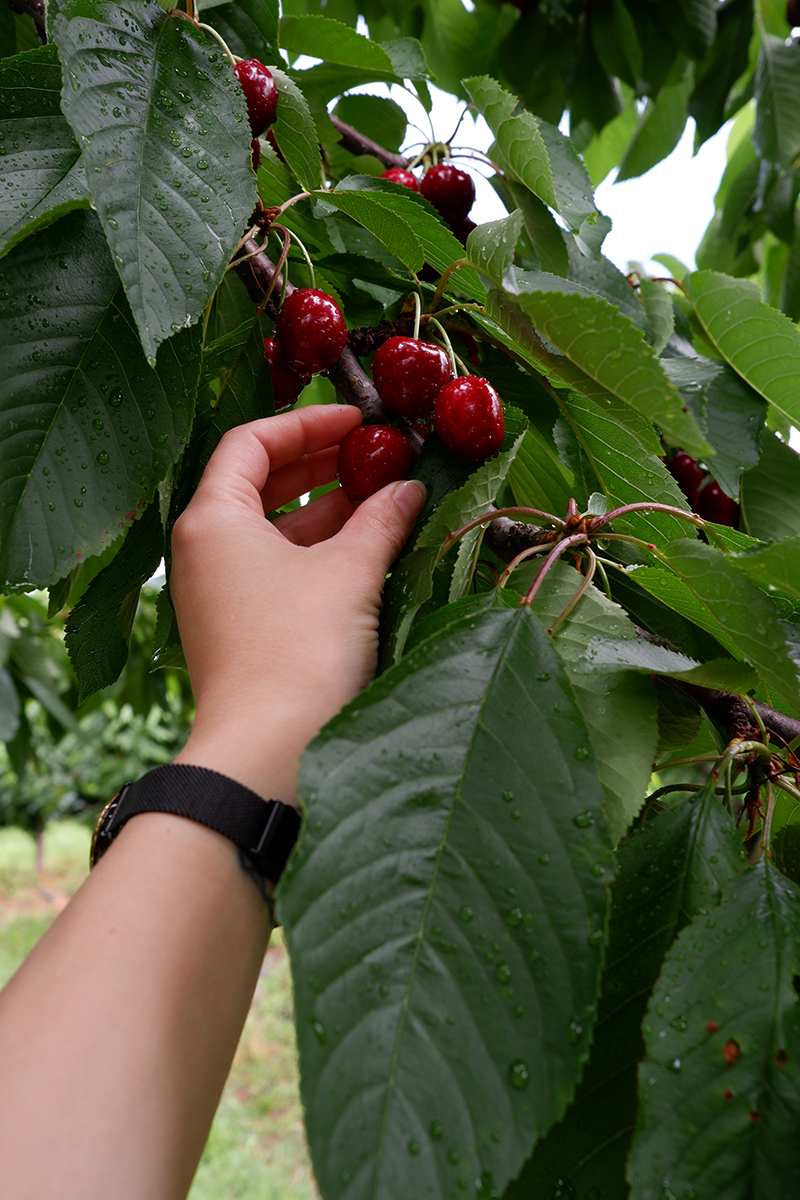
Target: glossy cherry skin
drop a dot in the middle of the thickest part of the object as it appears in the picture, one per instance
(260, 93)
(370, 457)
(463, 229)
(286, 383)
(449, 190)
(409, 375)
(686, 473)
(403, 177)
(792, 16)
(468, 417)
(714, 505)
(311, 331)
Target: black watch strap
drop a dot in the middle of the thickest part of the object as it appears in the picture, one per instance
(264, 830)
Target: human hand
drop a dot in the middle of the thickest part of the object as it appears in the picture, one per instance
(279, 620)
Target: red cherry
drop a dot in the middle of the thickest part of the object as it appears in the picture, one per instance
(449, 190)
(311, 331)
(401, 176)
(463, 229)
(714, 505)
(468, 417)
(260, 93)
(686, 473)
(286, 383)
(409, 375)
(255, 154)
(370, 457)
(793, 13)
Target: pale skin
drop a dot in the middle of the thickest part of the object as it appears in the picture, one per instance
(117, 1033)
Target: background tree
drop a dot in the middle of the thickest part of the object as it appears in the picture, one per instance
(487, 955)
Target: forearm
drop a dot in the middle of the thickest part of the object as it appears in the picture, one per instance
(118, 1032)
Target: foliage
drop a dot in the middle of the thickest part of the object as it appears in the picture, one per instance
(483, 913)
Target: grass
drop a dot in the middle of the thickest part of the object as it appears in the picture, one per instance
(257, 1148)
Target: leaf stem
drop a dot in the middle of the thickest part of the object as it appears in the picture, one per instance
(560, 548)
(209, 29)
(278, 267)
(584, 585)
(417, 314)
(454, 266)
(448, 345)
(644, 505)
(289, 203)
(767, 830)
(515, 562)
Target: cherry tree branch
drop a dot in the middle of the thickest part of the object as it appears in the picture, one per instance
(34, 8)
(359, 143)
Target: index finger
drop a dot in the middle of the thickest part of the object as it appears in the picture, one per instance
(248, 453)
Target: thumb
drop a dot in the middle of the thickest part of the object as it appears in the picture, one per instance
(379, 527)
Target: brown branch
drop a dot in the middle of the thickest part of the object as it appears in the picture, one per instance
(35, 9)
(509, 538)
(359, 143)
(735, 717)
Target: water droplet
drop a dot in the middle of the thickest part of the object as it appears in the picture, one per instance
(508, 797)
(436, 1130)
(543, 676)
(115, 399)
(515, 917)
(675, 1065)
(453, 1156)
(583, 819)
(680, 1023)
(518, 1075)
(465, 912)
(413, 1147)
(78, 503)
(582, 752)
(319, 1030)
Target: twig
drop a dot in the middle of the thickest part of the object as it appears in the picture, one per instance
(359, 143)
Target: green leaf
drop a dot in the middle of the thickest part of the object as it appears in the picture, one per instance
(692, 853)
(727, 989)
(9, 707)
(619, 709)
(222, 355)
(408, 62)
(670, 590)
(732, 417)
(544, 234)
(87, 429)
(333, 42)
(608, 348)
(98, 630)
(248, 27)
(616, 42)
(493, 101)
(740, 609)
(776, 133)
(491, 247)
(612, 654)
(679, 719)
(759, 342)
(246, 393)
(376, 117)
(716, 74)
(595, 273)
(522, 146)
(538, 478)
(393, 978)
(774, 568)
(296, 133)
(573, 187)
(660, 315)
(162, 123)
(607, 147)
(659, 130)
(41, 159)
(771, 492)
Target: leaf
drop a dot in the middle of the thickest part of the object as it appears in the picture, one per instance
(246, 393)
(98, 630)
(608, 146)
(679, 719)
(776, 133)
(619, 709)
(610, 654)
(248, 27)
(493, 101)
(771, 492)
(739, 608)
(660, 316)
(376, 117)
(659, 130)
(405, 975)
(608, 348)
(411, 583)
(334, 42)
(87, 429)
(595, 273)
(41, 160)
(775, 567)
(544, 235)
(161, 121)
(716, 74)
(703, 1115)
(760, 343)
(9, 707)
(521, 144)
(573, 187)
(296, 133)
(538, 478)
(732, 417)
(692, 852)
(491, 247)
(670, 590)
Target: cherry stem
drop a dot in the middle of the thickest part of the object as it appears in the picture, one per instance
(289, 203)
(589, 576)
(756, 717)
(448, 346)
(515, 562)
(468, 306)
(560, 548)
(452, 538)
(306, 255)
(767, 830)
(634, 541)
(417, 314)
(464, 112)
(243, 258)
(604, 577)
(642, 506)
(287, 241)
(694, 761)
(209, 29)
(460, 262)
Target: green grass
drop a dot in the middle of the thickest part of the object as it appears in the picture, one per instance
(257, 1148)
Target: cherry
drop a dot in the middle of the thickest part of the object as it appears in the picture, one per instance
(449, 190)
(286, 383)
(462, 229)
(401, 176)
(311, 331)
(409, 375)
(793, 13)
(370, 457)
(260, 93)
(686, 473)
(714, 505)
(468, 417)
(255, 154)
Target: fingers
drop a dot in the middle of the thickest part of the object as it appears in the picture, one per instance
(316, 522)
(239, 466)
(377, 530)
(297, 478)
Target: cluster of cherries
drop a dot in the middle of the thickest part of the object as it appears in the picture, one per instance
(414, 379)
(702, 491)
(450, 191)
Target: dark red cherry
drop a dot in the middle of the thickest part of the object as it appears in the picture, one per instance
(255, 154)
(686, 473)
(468, 417)
(260, 93)
(449, 190)
(286, 383)
(311, 331)
(714, 505)
(401, 176)
(463, 229)
(370, 457)
(793, 13)
(409, 375)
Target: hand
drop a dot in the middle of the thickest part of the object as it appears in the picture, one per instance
(279, 620)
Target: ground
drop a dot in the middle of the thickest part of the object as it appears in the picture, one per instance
(257, 1148)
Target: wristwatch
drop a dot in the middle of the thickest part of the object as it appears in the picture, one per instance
(264, 830)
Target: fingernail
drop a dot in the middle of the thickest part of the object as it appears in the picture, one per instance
(409, 496)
